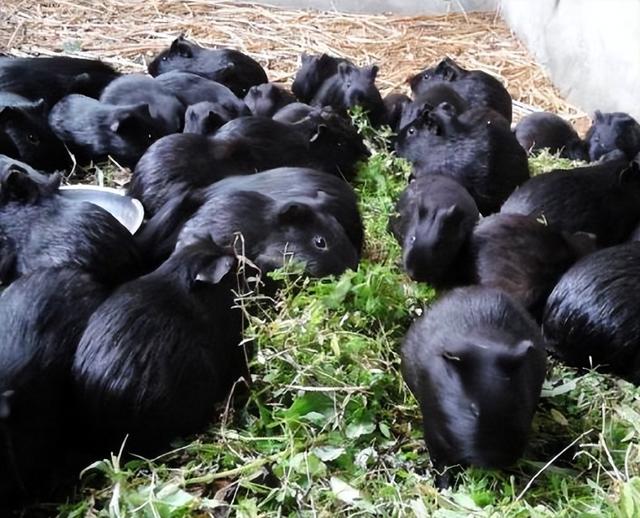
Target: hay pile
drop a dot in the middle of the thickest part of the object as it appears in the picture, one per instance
(128, 33)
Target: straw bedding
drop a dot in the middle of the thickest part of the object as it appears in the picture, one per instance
(128, 34)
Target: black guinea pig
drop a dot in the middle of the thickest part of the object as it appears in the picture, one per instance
(133, 89)
(93, 130)
(230, 67)
(475, 362)
(547, 130)
(431, 96)
(476, 87)
(266, 99)
(592, 317)
(613, 131)
(394, 104)
(352, 86)
(435, 218)
(42, 316)
(523, 256)
(26, 136)
(51, 78)
(161, 352)
(602, 199)
(313, 72)
(244, 146)
(272, 233)
(192, 89)
(476, 148)
(42, 229)
(324, 192)
(205, 118)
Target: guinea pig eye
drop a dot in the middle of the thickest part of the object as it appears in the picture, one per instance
(411, 131)
(164, 58)
(412, 239)
(320, 242)
(33, 139)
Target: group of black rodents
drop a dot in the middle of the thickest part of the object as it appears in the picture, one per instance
(104, 334)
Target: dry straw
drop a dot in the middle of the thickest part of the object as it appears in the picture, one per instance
(129, 33)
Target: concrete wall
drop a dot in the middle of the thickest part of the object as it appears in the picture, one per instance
(591, 48)
(390, 6)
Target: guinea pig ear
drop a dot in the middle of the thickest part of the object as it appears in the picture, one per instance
(7, 113)
(19, 185)
(294, 213)
(582, 243)
(214, 272)
(448, 69)
(344, 70)
(215, 120)
(181, 47)
(372, 72)
(129, 119)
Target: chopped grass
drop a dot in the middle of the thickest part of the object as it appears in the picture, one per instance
(329, 426)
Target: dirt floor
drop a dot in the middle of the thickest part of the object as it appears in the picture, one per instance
(128, 34)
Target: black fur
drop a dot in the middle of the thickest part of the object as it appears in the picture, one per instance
(243, 146)
(547, 130)
(205, 118)
(592, 316)
(476, 362)
(161, 351)
(43, 229)
(613, 131)
(602, 199)
(42, 316)
(435, 218)
(164, 107)
(51, 78)
(523, 257)
(295, 112)
(313, 71)
(93, 130)
(476, 87)
(266, 99)
(476, 148)
(431, 96)
(25, 134)
(394, 105)
(192, 89)
(352, 86)
(290, 211)
(230, 67)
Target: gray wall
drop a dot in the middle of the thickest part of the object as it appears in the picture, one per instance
(390, 6)
(591, 48)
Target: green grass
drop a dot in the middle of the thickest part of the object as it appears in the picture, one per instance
(329, 428)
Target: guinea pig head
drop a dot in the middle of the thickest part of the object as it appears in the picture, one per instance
(22, 184)
(488, 390)
(433, 241)
(305, 234)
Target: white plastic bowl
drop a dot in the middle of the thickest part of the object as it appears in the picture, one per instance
(128, 211)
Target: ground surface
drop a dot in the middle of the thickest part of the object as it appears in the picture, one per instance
(329, 427)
